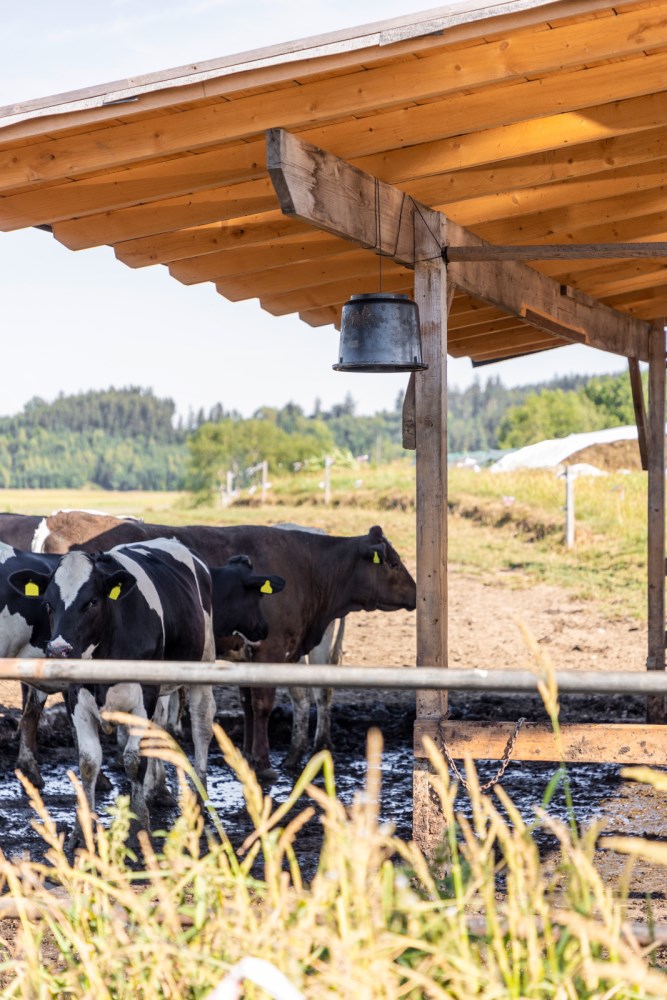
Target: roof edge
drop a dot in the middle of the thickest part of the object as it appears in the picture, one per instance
(434, 21)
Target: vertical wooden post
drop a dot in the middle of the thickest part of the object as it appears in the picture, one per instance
(639, 408)
(656, 516)
(431, 441)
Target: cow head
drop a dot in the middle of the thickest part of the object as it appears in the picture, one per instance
(79, 597)
(381, 582)
(237, 593)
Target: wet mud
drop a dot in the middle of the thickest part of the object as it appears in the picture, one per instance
(598, 791)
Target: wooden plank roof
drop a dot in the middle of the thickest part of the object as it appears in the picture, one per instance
(524, 121)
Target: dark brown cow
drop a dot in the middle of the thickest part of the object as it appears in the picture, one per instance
(327, 578)
(18, 530)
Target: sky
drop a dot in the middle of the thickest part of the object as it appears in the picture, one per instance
(74, 321)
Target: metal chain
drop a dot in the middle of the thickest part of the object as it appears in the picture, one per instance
(504, 760)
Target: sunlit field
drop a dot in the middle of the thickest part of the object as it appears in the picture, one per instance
(509, 522)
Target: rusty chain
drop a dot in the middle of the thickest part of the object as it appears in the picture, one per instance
(504, 760)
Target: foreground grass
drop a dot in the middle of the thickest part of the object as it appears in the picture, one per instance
(509, 525)
(377, 921)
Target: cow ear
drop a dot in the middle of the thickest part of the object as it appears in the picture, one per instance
(374, 553)
(118, 585)
(28, 583)
(269, 583)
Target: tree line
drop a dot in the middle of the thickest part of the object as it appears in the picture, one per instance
(129, 438)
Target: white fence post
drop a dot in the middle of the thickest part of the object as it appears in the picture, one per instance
(569, 508)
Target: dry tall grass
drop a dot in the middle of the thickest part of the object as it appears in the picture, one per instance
(375, 922)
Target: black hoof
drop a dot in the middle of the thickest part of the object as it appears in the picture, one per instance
(103, 784)
(265, 773)
(292, 763)
(32, 773)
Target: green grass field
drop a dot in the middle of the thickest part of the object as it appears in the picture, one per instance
(510, 524)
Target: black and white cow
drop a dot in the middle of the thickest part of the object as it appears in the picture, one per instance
(147, 601)
(237, 622)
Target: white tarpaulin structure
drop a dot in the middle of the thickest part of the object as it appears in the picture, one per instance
(549, 454)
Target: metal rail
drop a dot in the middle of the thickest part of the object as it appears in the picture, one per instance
(56, 672)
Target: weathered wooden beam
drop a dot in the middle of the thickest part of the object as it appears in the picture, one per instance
(322, 189)
(639, 408)
(590, 743)
(431, 296)
(409, 430)
(656, 516)
(557, 251)
(564, 312)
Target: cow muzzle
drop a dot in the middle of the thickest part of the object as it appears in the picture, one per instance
(59, 649)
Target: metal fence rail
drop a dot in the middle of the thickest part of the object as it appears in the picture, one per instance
(303, 675)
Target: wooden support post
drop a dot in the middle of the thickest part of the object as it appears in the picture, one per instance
(640, 409)
(656, 517)
(431, 441)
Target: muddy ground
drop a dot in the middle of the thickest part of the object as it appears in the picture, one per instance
(483, 633)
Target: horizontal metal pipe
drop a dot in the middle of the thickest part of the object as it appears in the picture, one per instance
(304, 675)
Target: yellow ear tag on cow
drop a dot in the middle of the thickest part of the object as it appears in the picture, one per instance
(114, 593)
(266, 587)
(376, 558)
(31, 589)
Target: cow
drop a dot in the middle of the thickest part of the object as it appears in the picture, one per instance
(327, 577)
(328, 651)
(150, 601)
(237, 622)
(18, 530)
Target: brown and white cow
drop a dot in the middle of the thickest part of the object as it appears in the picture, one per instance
(327, 577)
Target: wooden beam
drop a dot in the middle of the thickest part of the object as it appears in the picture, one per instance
(656, 516)
(639, 408)
(332, 293)
(326, 192)
(477, 65)
(560, 251)
(306, 274)
(203, 207)
(431, 296)
(552, 225)
(195, 241)
(581, 743)
(516, 350)
(250, 260)
(551, 196)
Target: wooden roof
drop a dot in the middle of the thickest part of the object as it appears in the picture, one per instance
(524, 121)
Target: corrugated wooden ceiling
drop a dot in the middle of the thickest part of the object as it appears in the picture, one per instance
(526, 121)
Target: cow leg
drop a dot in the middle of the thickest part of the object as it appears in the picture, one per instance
(33, 703)
(130, 698)
(262, 703)
(246, 700)
(300, 716)
(324, 701)
(155, 784)
(86, 719)
(202, 713)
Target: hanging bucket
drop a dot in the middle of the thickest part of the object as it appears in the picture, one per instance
(379, 332)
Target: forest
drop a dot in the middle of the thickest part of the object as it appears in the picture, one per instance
(128, 438)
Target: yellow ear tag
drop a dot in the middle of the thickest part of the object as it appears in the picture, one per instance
(266, 587)
(31, 589)
(114, 593)
(376, 558)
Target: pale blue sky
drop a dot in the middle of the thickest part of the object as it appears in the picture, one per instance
(75, 321)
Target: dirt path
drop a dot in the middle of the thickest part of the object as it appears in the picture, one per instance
(483, 630)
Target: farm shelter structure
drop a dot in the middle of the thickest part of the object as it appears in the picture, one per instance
(527, 134)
